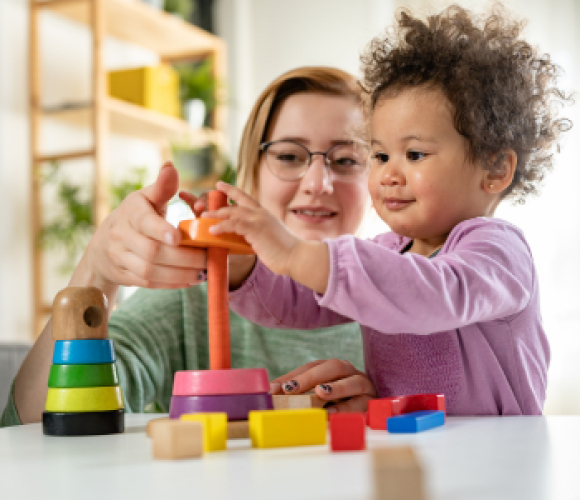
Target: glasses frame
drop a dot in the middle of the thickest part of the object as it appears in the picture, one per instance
(265, 145)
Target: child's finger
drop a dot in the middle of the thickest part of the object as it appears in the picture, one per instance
(236, 195)
(321, 373)
(346, 387)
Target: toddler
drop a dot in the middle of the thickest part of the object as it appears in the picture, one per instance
(461, 117)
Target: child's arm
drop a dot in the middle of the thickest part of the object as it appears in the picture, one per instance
(306, 262)
(332, 380)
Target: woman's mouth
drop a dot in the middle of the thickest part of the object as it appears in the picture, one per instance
(313, 216)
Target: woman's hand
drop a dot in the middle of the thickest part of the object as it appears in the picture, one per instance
(270, 239)
(136, 246)
(333, 380)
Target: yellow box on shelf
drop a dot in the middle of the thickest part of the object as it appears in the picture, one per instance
(153, 87)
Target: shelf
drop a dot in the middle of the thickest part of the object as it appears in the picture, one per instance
(136, 22)
(131, 120)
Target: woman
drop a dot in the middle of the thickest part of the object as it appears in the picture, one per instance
(303, 113)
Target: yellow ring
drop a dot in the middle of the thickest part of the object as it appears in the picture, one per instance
(84, 399)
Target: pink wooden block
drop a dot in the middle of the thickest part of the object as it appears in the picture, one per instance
(221, 382)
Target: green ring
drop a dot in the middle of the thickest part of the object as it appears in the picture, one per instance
(97, 375)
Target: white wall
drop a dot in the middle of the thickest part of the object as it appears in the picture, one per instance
(265, 38)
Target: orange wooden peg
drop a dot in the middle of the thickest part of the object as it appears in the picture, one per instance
(195, 233)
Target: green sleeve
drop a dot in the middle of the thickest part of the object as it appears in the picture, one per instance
(158, 332)
(10, 416)
(148, 330)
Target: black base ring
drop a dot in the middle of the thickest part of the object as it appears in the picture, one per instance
(92, 423)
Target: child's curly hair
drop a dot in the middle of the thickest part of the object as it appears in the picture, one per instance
(502, 91)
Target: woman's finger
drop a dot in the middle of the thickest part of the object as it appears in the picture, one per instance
(347, 387)
(322, 373)
(355, 404)
(276, 384)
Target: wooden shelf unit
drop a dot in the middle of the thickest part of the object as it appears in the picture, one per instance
(131, 21)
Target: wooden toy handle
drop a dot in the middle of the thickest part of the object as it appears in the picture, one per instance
(218, 312)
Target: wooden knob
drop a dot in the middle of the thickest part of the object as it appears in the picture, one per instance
(80, 313)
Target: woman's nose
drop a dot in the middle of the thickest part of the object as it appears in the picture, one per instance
(318, 177)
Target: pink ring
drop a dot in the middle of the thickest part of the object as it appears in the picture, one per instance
(221, 382)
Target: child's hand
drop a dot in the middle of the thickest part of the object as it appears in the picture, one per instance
(268, 236)
(332, 380)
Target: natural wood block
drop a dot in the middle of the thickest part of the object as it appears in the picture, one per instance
(238, 429)
(288, 402)
(152, 423)
(80, 313)
(397, 474)
(279, 428)
(174, 439)
(84, 399)
(215, 429)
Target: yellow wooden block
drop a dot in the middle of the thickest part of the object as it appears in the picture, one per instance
(173, 439)
(278, 428)
(82, 399)
(153, 87)
(215, 429)
(288, 402)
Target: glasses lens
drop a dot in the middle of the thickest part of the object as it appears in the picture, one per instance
(347, 161)
(287, 160)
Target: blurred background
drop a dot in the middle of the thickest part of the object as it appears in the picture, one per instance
(94, 137)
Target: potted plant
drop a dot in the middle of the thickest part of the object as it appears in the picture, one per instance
(73, 228)
(198, 91)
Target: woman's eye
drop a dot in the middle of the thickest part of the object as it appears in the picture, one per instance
(415, 155)
(288, 158)
(380, 158)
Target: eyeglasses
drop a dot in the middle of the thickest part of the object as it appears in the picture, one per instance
(289, 160)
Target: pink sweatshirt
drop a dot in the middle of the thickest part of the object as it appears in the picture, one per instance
(465, 323)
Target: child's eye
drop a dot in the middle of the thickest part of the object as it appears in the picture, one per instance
(380, 158)
(415, 155)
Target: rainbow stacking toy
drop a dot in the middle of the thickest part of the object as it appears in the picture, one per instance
(84, 397)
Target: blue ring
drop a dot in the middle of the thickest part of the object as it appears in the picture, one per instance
(69, 352)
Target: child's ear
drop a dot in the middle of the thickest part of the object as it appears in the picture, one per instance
(500, 177)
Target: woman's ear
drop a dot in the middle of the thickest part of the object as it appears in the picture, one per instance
(500, 177)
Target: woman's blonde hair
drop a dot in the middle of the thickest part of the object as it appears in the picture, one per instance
(312, 79)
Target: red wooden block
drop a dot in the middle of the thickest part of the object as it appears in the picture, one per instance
(382, 409)
(347, 431)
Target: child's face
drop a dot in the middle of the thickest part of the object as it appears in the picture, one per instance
(421, 181)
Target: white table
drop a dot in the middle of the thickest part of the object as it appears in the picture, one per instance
(525, 458)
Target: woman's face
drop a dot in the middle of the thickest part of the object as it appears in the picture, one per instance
(318, 205)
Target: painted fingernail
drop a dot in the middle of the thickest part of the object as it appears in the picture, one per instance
(275, 387)
(202, 275)
(326, 388)
(290, 386)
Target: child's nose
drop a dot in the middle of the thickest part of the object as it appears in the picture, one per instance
(391, 175)
(318, 178)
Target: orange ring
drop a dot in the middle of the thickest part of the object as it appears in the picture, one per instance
(195, 233)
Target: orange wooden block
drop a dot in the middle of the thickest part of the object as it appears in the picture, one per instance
(238, 429)
(80, 313)
(297, 401)
(397, 474)
(174, 439)
(195, 233)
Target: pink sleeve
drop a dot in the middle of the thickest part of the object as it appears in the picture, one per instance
(483, 272)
